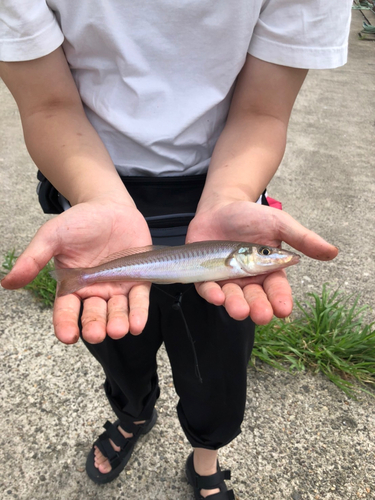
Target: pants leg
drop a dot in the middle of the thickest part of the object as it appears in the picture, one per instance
(130, 367)
(210, 411)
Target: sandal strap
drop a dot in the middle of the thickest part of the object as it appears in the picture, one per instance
(132, 428)
(224, 495)
(113, 433)
(107, 450)
(105, 447)
(211, 482)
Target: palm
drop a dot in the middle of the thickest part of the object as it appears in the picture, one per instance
(261, 296)
(82, 237)
(89, 233)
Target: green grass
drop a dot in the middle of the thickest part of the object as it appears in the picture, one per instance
(330, 335)
(362, 5)
(43, 287)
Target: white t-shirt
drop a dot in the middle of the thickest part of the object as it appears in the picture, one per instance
(156, 77)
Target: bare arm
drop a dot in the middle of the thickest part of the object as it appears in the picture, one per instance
(252, 144)
(103, 219)
(59, 137)
(245, 159)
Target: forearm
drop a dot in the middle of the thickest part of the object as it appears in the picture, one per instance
(58, 135)
(69, 152)
(253, 141)
(245, 158)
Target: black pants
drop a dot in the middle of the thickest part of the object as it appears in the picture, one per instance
(210, 367)
(210, 409)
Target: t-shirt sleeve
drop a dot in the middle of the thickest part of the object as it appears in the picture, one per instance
(310, 34)
(28, 30)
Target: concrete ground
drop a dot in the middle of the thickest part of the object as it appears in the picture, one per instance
(302, 437)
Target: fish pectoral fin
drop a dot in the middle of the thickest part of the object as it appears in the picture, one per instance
(214, 263)
(131, 251)
(229, 260)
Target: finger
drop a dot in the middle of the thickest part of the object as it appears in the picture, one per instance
(302, 239)
(279, 293)
(36, 256)
(118, 317)
(212, 292)
(235, 302)
(94, 320)
(139, 299)
(65, 318)
(261, 311)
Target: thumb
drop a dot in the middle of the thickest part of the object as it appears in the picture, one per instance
(303, 239)
(38, 253)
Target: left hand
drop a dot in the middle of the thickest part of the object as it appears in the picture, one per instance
(81, 237)
(263, 296)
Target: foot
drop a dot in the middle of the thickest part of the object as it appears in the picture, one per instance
(100, 461)
(205, 464)
(113, 449)
(209, 480)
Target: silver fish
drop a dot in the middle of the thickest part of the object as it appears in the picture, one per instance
(193, 263)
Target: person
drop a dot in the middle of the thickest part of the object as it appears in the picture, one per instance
(164, 122)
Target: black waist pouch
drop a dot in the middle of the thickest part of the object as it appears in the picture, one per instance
(165, 196)
(49, 198)
(167, 203)
(153, 195)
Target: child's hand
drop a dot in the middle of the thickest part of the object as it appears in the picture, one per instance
(263, 296)
(83, 236)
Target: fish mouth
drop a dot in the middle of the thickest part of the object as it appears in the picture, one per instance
(295, 259)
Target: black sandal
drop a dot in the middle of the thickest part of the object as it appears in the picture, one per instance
(208, 482)
(118, 460)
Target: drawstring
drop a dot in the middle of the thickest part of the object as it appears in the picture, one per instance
(178, 307)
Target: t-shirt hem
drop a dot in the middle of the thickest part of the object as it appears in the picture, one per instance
(296, 56)
(32, 47)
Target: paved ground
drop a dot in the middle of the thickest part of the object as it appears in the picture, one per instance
(302, 438)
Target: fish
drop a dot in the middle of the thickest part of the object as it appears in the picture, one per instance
(214, 260)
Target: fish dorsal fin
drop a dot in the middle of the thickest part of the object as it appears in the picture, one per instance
(131, 251)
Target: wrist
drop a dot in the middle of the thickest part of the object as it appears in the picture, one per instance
(81, 182)
(215, 198)
(105, 193)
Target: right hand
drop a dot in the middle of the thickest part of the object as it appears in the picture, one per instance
(263, 296)
(83, 236)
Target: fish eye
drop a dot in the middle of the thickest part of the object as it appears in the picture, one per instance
(264, 251)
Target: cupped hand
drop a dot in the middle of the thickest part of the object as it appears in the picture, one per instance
(83, 236)
(263, 296)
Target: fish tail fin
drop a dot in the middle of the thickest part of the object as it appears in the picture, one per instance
(68, 280)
